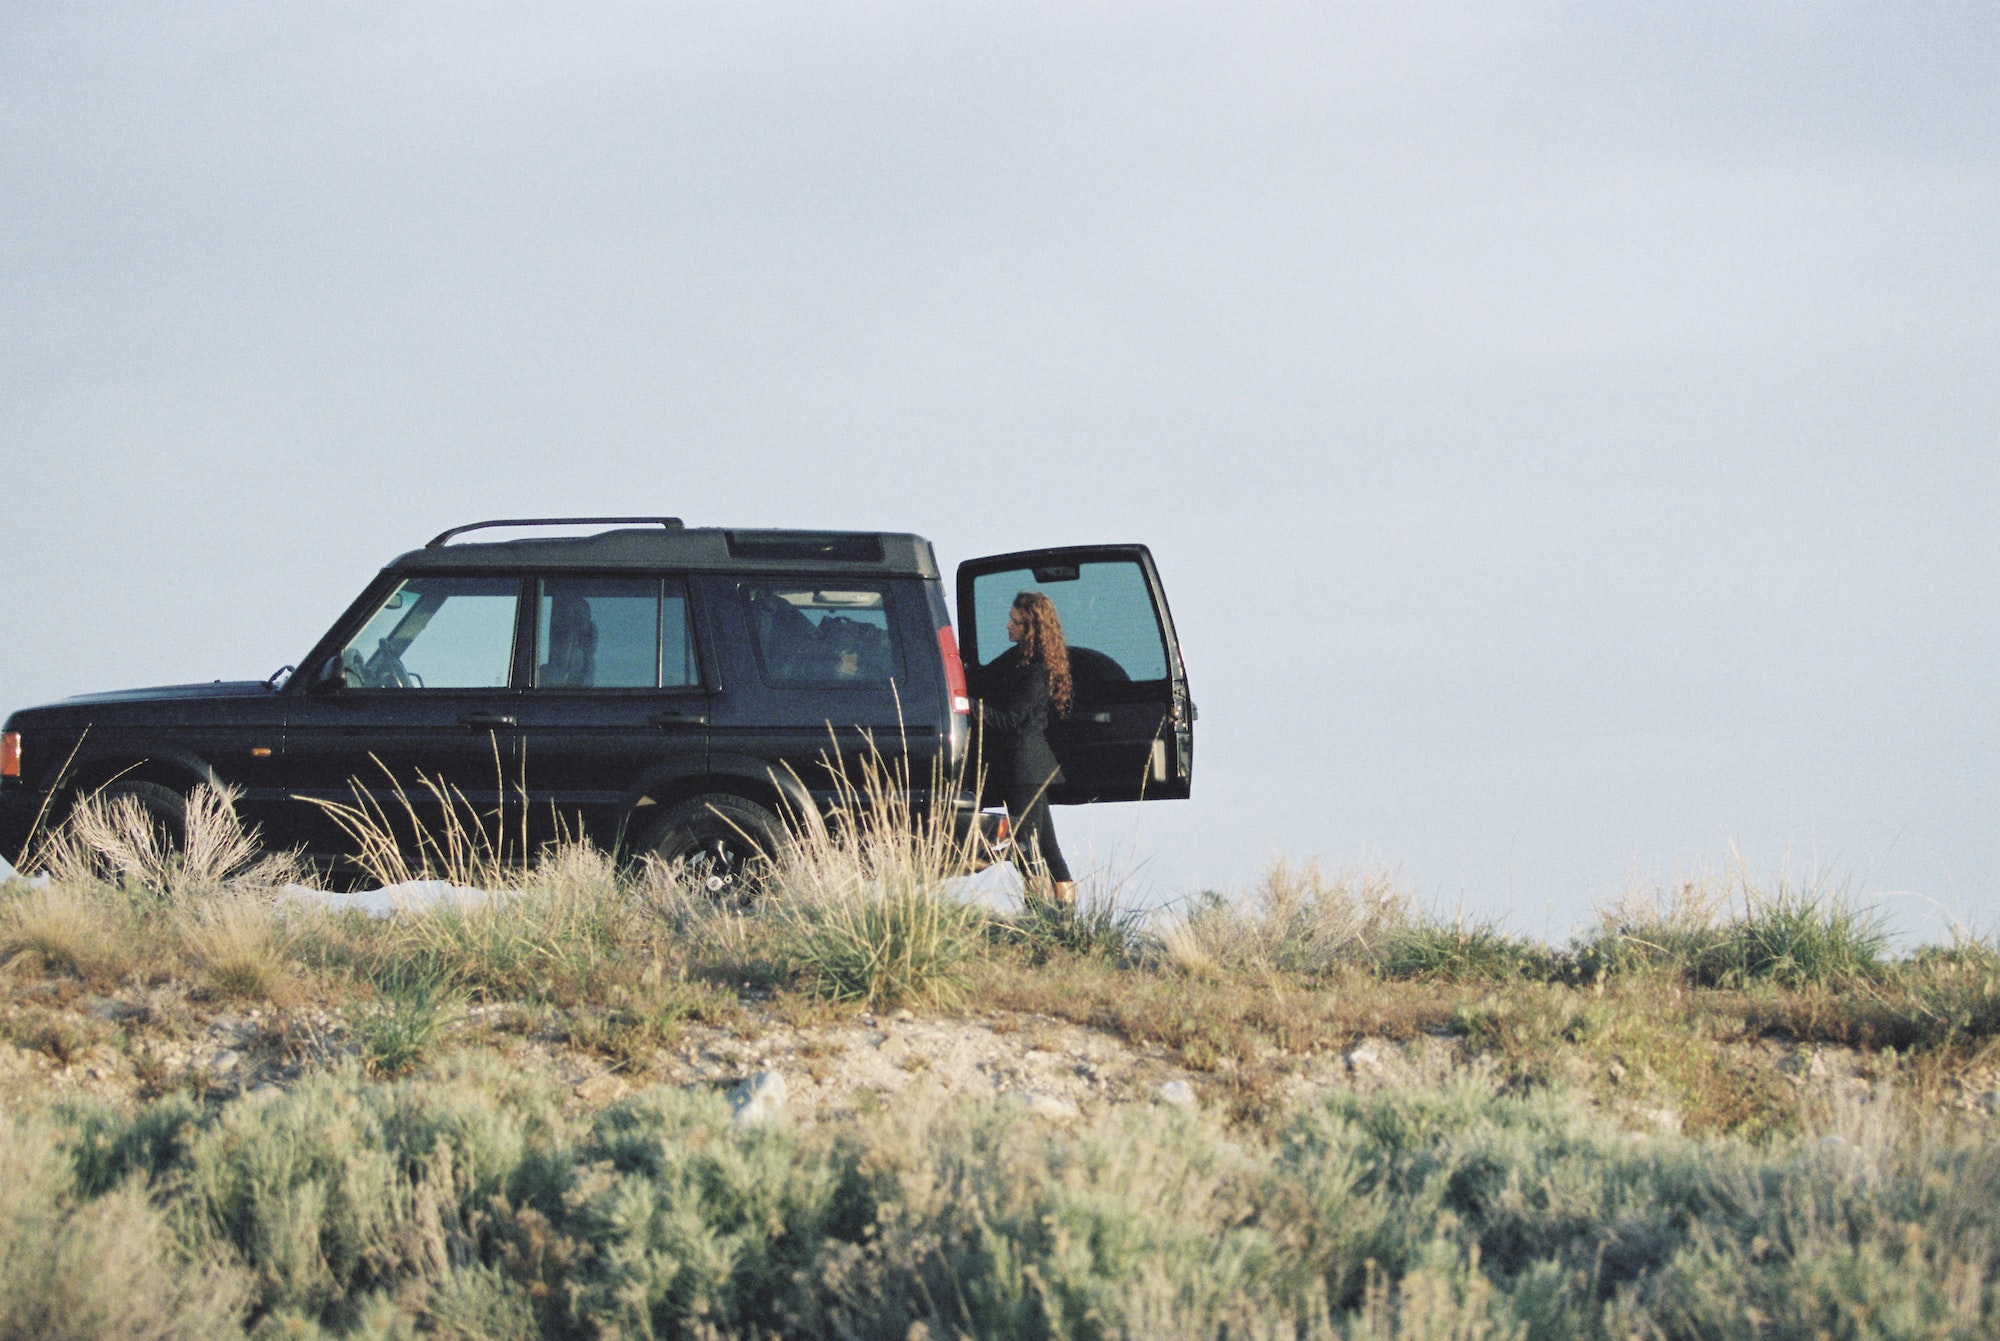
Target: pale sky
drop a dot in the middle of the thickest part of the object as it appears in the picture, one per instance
(1567, 432)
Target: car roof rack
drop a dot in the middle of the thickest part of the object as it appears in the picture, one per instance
(671, 523)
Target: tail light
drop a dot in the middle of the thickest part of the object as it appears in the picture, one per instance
(954, 671)
(10, 755)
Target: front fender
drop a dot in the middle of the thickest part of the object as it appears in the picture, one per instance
(176, 767)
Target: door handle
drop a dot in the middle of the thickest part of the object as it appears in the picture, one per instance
(675, 717)
(486, 719)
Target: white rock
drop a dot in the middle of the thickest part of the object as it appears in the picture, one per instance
(1366, 1056)
(759, 1099)
(1665, 1120)
(601, 1088)
(226, 1060)
(1806, 1066)
(1178, 1093)
(1046, 1106)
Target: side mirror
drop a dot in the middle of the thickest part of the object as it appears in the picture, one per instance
(328, 679)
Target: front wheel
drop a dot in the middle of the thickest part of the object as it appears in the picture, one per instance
(159, 806)
(721, 843)
(128, 829)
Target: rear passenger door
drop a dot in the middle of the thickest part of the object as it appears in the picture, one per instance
(1130, 734)
(614, 700)
(818, 667)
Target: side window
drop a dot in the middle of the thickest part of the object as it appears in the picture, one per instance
(1107, 616)
(436, 633)
(820, 637)
(612, 633)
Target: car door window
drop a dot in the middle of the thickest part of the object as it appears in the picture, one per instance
(821, 637)
(1107, 617)
(612, 633)
(436, 633)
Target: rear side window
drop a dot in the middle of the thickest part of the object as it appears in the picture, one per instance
(612, 633)
(436, 633)
(833, 637)
(1107, 617)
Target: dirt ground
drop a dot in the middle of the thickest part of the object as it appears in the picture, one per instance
(140, 1043)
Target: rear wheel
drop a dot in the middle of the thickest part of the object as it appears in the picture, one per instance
(722, 843)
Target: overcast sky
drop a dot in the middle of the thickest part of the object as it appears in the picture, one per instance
(1568, 433)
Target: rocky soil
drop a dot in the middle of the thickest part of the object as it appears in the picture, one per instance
(143, 1043)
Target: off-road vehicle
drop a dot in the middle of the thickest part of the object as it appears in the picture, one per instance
(651, 687)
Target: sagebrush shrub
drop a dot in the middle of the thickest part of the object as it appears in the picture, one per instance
(99, 1264)
(470, 1202)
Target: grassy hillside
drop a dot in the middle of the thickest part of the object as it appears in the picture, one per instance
(1310, 1110)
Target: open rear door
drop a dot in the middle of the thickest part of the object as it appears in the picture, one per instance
(1130, 734)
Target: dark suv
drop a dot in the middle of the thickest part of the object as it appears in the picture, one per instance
(654, 688)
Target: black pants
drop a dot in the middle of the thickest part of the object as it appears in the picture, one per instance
(1034, 832)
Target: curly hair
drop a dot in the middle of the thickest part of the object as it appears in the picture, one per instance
(1042, 644)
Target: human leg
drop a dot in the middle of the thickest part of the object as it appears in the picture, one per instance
(1035, 835)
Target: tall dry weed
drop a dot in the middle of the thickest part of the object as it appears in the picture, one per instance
(1672, 928)
(432, 830)
(114, 838)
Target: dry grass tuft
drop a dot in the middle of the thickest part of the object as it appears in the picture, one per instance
(239, 942)
(862, 895)
(1295, 920)
(67, 927)
(1712, 933)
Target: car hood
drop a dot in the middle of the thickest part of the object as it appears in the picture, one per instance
(162, 693)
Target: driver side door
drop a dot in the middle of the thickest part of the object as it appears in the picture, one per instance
(414, 714)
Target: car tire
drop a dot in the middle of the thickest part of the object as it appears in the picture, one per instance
(724, 843)
(163, 805)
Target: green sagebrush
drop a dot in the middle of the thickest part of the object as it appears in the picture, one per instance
(471, 1202)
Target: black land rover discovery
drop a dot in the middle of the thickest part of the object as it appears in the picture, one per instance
(653, 687)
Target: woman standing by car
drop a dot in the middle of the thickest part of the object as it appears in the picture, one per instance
(1022, 687)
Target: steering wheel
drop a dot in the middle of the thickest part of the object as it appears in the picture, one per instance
(385, 669)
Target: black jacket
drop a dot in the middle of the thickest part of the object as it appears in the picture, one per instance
(1014, 715)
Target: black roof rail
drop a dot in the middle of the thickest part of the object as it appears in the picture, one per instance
(671, 523)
